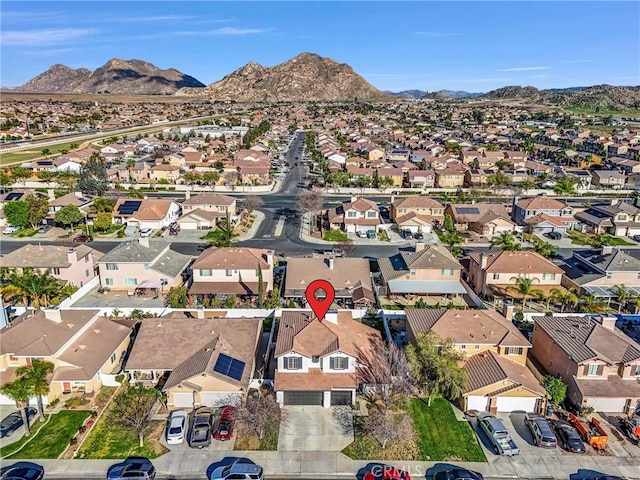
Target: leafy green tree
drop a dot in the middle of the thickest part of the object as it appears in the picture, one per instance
(17, 213)
(599, 240)
(589, 303)
(564, 298)
(498, 179)
(525, 287)
(45, 152)
(38, 209)
(177, 297)
(20, 391)
(565, 186)
(191, 177)
(133, 408)
(103, 204)
(447, 224)
(5, 179)
(46, 175)
(453, 240)
(273, 299)
(453, 147)
(37, 374)
(93, 178)
(103, 221)
(546, 249)
(435, 367)
(223, 235)
(31, 287)
(20, 173)
(69, 215)
(506, 241)
(556, 389)
(230, 301)
(622, 296)
(210, 178)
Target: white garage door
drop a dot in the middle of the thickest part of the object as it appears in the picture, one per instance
(603, 404)
(510, 404)
(189, 225)
(217, 399)
(33, 401)
(182, 400)
(481, 404)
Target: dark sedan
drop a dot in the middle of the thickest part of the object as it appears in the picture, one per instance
(568, 437)
(458, 474)
(200, 434)
(223, 428)
(22, 471)
(13, 421)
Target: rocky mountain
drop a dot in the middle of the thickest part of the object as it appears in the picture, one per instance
(129, 77)
(407, 93)
(514, 92)
(305, 77)
(448, 94)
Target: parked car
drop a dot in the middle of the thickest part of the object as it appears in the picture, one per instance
(145, 232)
(83, 237)
(541, 430)
(636, 238)
(44, 228)
(138, 468)
(200, 433)
(406, 234)
(176, 427)
(241, 469)
(568, 437)
(498, 434)
(371, 234)
(223, 428)
(22, 471)
(386, 472)
(418, 236)
(10, 230)
(554, 235)
(457, 474)
(174, 229)
(361, 234)
(13, 421)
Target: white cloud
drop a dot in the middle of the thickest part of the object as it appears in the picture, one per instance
(225, 31)
(157, 18)
(437, 34)
(48, 52)
(44, 37)
(523, 69)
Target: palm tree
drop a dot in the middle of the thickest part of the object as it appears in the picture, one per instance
(524, 286)
(591, 303)
(37, 375)
(20, 391)
(506, 241)
(622, 295)
(546, 249)
(31, 287)
(564, 298)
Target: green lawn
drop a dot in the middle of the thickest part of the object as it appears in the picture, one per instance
(25, 232)
(580, 238)
(30, 153)
(9, 449)
(441, 437)
(54, 437)
(335, 236)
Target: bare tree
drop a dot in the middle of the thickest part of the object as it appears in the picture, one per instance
(384, 374)
(310, 201)
(259, 409)
(132, 408)
(346, 246)
(387, 427)
(251, 202)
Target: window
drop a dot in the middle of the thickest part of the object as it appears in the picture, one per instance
(293, 363)
(372, 215)
(622, 217)
(12, 358)
(463, 347)
(548, 276)
(352, 214)
(131, 282)
(339, 363)
(146, 266)
(113, 357)
(609, 274)
(108, 281)
(315, 359)
(447, 272)
(56, 271)
(476, 347)
(496, 276)
(592, 369)
(228, 273)
(257, 273)
(635, 370)
(413, 271)
(112, 266)
(205, 272)
(514, 350)
(86, 259)
(86, 273)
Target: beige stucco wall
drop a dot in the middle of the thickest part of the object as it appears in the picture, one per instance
(136, 271)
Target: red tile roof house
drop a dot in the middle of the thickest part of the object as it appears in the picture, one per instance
(358, 215)
(416, 213)
(205, 210)
(152, 213)
(317, 360)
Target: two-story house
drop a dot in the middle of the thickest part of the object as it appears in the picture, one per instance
(74, 265)
(608, 179)
(498, 379)
(80, 200)
(231, 271)
(142, 264)
(483, 218)
(429, 270)
(450, 178)
(205, 210)
(599, 363)
(543, 214)
(139, 172)
(358, 215)
(421, 178)
(416, 213)
(498, 271)
(85, 348)
(165, 173)
(619, 219)
(152, 213)
(317, 360)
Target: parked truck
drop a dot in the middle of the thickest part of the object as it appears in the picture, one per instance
(498, 434)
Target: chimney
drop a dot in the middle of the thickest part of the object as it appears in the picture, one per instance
(200, 313)
(507, 310)
(393, 197)
(50, 194)
(515, 201)
(484, 260)
(144, 241)
(608, 322)
(53, 314)
(615, 201)
(420, 246)
(187, 195)
(72, 256)
(331, 260)
(353, 199)
(607, 249)
(331, 316)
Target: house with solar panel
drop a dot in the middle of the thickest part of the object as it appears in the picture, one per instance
(197, 361)
(482, 218)
(151, 213)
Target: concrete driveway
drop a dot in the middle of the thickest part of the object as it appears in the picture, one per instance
(312, 429)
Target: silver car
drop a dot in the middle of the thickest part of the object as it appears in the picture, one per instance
(176, 427)
(241, 469)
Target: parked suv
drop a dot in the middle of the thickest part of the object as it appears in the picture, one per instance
(241, 469)
(135, 467)
(541, 430)
(13, 421)
(554, 235)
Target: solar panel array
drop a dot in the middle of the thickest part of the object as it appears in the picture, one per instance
(468, 210)
(14, 196)
(129, 207)
(229, 366)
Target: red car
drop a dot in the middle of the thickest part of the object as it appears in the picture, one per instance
(223, 428)
(385, 472)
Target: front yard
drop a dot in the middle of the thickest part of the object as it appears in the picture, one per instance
(248, 441)
(335, 236)
(581, 238)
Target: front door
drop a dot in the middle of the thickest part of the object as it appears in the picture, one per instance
(66, 387)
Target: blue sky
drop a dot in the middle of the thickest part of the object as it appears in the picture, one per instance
(473, 46)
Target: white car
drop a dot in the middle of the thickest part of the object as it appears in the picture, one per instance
(176, 427)
(10, 230)
(146, 232)
(241, 469)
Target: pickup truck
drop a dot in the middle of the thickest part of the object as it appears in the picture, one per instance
(498, 434)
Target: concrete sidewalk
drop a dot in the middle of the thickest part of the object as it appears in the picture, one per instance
(317, 465)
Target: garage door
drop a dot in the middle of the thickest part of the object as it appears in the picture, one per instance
(189, 225)
(341, 398)
(181, 400)
(217, 399)
(303, 398)
(511, 404)
(603, 404)
(481, 404)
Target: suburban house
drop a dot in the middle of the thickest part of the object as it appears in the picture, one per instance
(421, 178)
(205, 210)
(543, 214)
(85, 348)
(202, 361)
(429, 270)
(620, 219)
(220, 272)
(482, 218)
(317, 360)
(74, 265)
(495, 357)
(83, 202)
(416, 213)
(358, 215)
(152, 213)
(143, 264)
(350, 277)
(450, 178)
(138, 172)
(599, 363)
(608, 179)
(495, 272)
(164, 173)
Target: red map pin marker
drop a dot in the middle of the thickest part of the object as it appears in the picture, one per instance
(320, 305)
